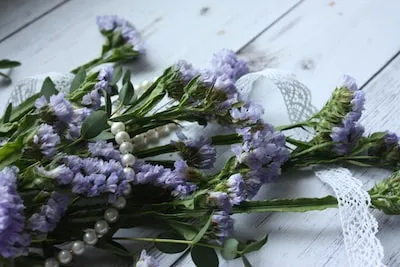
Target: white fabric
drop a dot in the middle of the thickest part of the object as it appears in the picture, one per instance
(359, 226)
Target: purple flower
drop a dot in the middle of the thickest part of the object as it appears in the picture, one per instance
(391, 139)
(13, 241)
(41, 102)
(220, 200)
(236, 189)
(104, 78)
(47, 140)
(50, 214)
(222, 226)
(127, 30)
(146, 260)
(186, 71)
(350, 83)
(358, 101)
(74, 128)
(250, 112)
(346, 136)
(61, 108)
(92, 99)
(225, 62)
(197, 152)
(62, 174)
(104, 149)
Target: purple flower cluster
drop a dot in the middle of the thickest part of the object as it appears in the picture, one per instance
(249, 112)
(146, 260)
(50, 214)
(124, 27)
(105, 150)
(59, 107)
(226, 62)
(13, 241)
(105, 77)
(263, 151)
(47, 139)
(93, 176)
(186, 71)
(174, 180)
(221, 200)
(222, 226)
(74, 128)
(346, 135)
(62, 174)
(236, 188)
(198, 152)
(92, 99)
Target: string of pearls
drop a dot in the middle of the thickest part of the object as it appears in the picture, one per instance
(126, 146)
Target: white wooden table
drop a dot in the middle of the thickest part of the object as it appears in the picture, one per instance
(319, 40)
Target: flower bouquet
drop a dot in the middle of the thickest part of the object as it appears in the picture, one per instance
(77, 166)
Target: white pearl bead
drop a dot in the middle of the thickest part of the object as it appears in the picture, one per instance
(120, 203)
(151, 135)
(117, 127)
(121, 137)
(90, 237)
(78, 247)
(128, 189)
(138, 139)
(51, 262)
(101, 227)
(129, 172)
(163, 131)
(126, 147)
(64, 256)
(111, 215)
(128, 160)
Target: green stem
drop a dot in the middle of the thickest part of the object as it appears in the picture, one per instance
(292, 126)
(162, 240)
(311, 149)
(89, 65)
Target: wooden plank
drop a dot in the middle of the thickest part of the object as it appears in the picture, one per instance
(16, 14)
(172, 30)
(323, 40)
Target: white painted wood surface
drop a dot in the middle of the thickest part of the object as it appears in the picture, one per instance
(318, 40)
(15, 14)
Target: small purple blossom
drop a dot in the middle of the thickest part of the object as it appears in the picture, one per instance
(197, 152)
(13, 241)
(107, 23)
(105, 76)
(104, 149)
(50, 214)
(390, 139)
(47, 140)
(236, 189)
(186, 71)
(146, 260)
(346, 136)
(61, 108)
(41, 102)
(92, 99)
(74, 128)
(250, 112)
(220, 200)
(62, 174)
(350, 83)
(358, 101)
(222, 226)
(226, 62)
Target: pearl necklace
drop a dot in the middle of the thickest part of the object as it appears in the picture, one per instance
(126, 146)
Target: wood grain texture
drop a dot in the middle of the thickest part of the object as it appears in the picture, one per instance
(15, 14)
(321, 41)
(69, 36)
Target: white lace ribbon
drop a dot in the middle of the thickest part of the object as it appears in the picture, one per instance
(358, 225)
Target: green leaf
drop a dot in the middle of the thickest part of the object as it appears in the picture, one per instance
(48, 88)
(127, 77)
(188, 231)
(22, 109)
(202, 231)
(10, 152)
(78, 79)
(94, 124)
(116, 75)
(246, 262)
(7, 113)
(230, 249)
(108, 104)
(7, 64)
(6, 128)
(204, 257)
(255, 246)
(126, 94)
(103, 136)
(170, 248)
